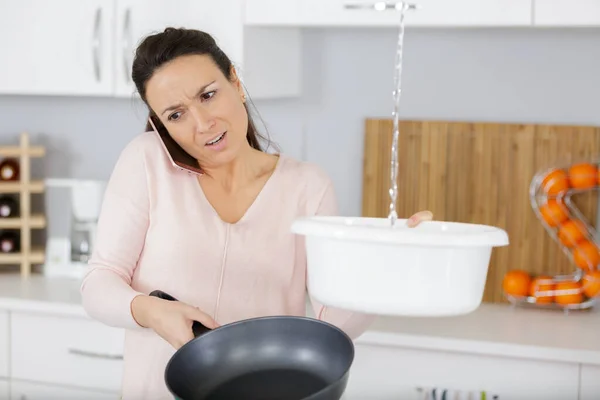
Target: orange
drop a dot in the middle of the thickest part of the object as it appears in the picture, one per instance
(554, 213)
(540, 284)
(556, 182)
(583, 175)
(516, 283)
(572, 232)
(591, 284)
(586, 255)
(573, 296)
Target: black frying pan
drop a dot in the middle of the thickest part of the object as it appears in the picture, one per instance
(267, 358)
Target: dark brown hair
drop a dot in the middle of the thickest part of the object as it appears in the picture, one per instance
(160, 48)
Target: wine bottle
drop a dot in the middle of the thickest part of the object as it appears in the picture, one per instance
(9, 242)
(9, 169)
(8, 207)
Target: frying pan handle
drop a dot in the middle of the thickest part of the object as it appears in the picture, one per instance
(197, 327)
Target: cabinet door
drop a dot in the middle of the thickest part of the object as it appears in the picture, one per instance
(59, 47)
(391, 369)
(35, 391)
(4, 345)
(470, 13)
(590, 382)
(431, 13)
(84, 353)
(135, 19)
(4, 390)
(572, 13)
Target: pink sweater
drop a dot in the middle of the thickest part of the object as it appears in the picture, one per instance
(158, 231)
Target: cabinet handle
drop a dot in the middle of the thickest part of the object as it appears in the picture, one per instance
(96, 44)
(380, 6)
(92, 354)
(126, 43)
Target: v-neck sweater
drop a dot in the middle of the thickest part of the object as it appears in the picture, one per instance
(157, 230)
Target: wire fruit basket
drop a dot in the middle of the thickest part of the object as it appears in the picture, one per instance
(551, 195)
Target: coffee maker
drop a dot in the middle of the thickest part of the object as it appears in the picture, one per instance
(69, 256)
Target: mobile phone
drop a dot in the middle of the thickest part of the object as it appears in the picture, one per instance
(178, 157)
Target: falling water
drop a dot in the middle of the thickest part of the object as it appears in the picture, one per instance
(393, 216)
(402, 7)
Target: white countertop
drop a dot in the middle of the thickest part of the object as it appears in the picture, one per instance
(499, 329)
(493, 329)
(40, 294)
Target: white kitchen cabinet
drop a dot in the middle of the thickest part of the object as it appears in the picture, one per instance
(86, 48)
(83, 352)
(4, 390)
(571, 13)
(56, 47)
(432, 13)
(35, 391)
(268, 60)
(471, 13)
(134, 20)
(4, 345)
(590, 382)
(392, 369)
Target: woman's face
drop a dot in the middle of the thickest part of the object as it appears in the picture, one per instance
(202, 110)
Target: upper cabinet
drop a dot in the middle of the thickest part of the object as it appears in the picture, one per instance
(570, 13)
(430, 13)
(56, 47)
(470, 13)
(86, 48)
(266, 59)
(135, 19)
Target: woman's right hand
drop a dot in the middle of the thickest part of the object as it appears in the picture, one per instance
(171, 320)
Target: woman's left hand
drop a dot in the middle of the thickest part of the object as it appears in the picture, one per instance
(419, 217)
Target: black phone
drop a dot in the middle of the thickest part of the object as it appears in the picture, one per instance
(177, 155)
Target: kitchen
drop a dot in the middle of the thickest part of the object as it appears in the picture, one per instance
(500, 62)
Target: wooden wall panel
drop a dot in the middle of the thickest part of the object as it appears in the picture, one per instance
(478, 173)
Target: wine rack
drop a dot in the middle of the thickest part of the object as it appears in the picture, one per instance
(26, 221)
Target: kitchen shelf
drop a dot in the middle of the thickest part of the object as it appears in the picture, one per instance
(25, 222)
(35, 255)
(37, 221)
(35, 187)
(16, 151)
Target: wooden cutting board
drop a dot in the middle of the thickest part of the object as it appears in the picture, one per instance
(478, 173)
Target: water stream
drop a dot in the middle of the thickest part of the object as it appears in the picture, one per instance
(401, 7)
(393, 215)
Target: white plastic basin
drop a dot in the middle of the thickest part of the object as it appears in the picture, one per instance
(362, 264)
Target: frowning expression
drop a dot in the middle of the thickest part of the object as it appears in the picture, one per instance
(202, 110)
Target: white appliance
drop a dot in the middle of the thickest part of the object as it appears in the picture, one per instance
(68, 256)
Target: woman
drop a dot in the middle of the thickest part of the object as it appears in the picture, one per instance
(219, 241)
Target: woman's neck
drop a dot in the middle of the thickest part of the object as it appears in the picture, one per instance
(244, 169)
